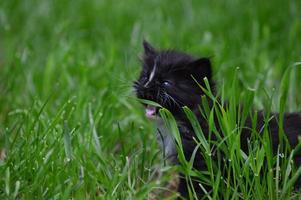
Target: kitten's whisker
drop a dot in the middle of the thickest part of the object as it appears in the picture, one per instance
(171, 99)
(161, 99)
(165, 98)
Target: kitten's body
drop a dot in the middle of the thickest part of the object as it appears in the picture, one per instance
(166, 79)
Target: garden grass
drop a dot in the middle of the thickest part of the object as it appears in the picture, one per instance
(71, 127)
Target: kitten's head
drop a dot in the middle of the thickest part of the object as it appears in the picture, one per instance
(171, 79)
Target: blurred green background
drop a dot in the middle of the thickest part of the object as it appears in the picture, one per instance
(69, 122)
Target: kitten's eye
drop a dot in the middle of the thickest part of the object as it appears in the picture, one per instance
(166, 83)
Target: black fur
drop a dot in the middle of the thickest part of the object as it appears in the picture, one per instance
(173, 87)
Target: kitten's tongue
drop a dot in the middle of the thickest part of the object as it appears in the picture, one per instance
(150, 111)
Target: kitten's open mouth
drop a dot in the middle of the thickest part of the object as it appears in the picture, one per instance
(151, 111)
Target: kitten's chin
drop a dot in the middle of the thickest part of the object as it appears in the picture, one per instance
(151, 112)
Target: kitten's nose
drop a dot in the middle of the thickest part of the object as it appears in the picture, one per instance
(146, 94)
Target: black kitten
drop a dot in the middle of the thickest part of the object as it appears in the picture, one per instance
(166, 78)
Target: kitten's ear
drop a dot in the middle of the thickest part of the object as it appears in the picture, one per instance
(148, 48)
(201, 68)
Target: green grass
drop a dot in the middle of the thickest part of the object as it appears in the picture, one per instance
(70, 124)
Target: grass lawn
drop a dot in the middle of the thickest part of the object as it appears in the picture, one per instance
(70, 126)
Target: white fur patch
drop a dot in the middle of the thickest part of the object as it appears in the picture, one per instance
(151, 76)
